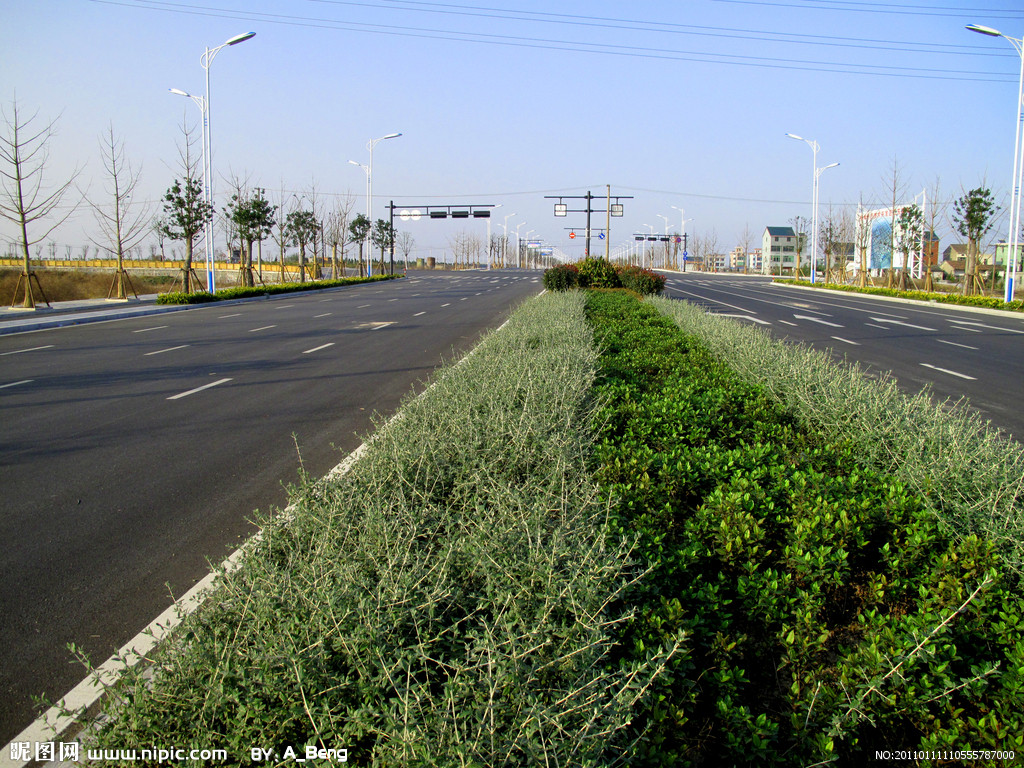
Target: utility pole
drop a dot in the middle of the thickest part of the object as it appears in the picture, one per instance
(613, 209)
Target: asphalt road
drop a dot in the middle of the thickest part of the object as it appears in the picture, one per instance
(958, 353)
(134, 452)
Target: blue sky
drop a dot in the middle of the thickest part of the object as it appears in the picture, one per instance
(680, 104)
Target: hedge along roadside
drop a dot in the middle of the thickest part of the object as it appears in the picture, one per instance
(203, 297)
(827, 612)
(988, 302)
(452, 600)
(969, 475)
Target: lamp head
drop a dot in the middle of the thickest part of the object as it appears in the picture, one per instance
(984, 30)
(240, 38)
(179, 92)
(794, 136)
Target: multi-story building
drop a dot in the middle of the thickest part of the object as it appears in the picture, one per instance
(779, 250)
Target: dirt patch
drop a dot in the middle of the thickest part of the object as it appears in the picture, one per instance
(71, 285)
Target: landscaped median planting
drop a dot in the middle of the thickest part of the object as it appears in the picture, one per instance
(593, 543)
(271, 289)
(601, 273)
(829, 612)
(453, 600)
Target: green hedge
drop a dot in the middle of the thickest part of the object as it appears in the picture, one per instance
(599, 273)
(827, 612)
(201, 297)
(989, 302)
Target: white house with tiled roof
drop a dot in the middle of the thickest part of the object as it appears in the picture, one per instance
(778, 249)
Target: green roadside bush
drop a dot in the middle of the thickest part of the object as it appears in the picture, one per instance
(828, 613)
(969, 474)
(643, 281)
(561, 277)
(989, 302)
(271, 289)
(599, 273)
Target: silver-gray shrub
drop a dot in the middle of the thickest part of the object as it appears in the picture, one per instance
(970, 474)
(453, 600)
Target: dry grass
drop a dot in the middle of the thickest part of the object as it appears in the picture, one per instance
(71, 285)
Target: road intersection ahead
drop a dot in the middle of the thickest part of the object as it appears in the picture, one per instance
(134, 452)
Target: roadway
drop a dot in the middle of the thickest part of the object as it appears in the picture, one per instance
(958, 353)
(134, 452)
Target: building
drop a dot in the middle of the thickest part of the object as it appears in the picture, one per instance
(1002, 248)
(779, 250)
(749, 262)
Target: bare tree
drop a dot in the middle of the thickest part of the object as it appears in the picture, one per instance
(896, 188)
(281, 235)
(746, 239)
(405, 243)
(336, 231)
(935, 211)
(122, 220)
(25, 199)
(800, 226)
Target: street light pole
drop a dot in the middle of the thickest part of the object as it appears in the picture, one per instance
(369, 198)
(504, 244)
(519, 245)
(1012, 243)
(205, 61)
(666, 235)
(814, 201)
(682, 231)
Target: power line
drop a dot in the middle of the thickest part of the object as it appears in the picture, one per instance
(764, 62)
(760, 35)
(889, 8)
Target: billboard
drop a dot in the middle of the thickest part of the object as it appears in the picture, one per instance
(875, 229)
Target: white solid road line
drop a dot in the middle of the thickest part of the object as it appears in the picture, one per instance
(954, 344)
(317, 349)
(983, 325)
(19, 351)
(198, 389)
(169, 349)
(951, 373)
(16, 383)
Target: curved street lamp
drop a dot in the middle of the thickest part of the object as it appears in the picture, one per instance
(814, 202)
(205, 60)
(1012, 241)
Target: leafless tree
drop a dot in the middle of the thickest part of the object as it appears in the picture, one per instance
(800, 226)
(25, 198)
(281, 235)
(936, 210)
(336, 231)
(405, 243)
(121, 218)
(896, 189)
(746, 240)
